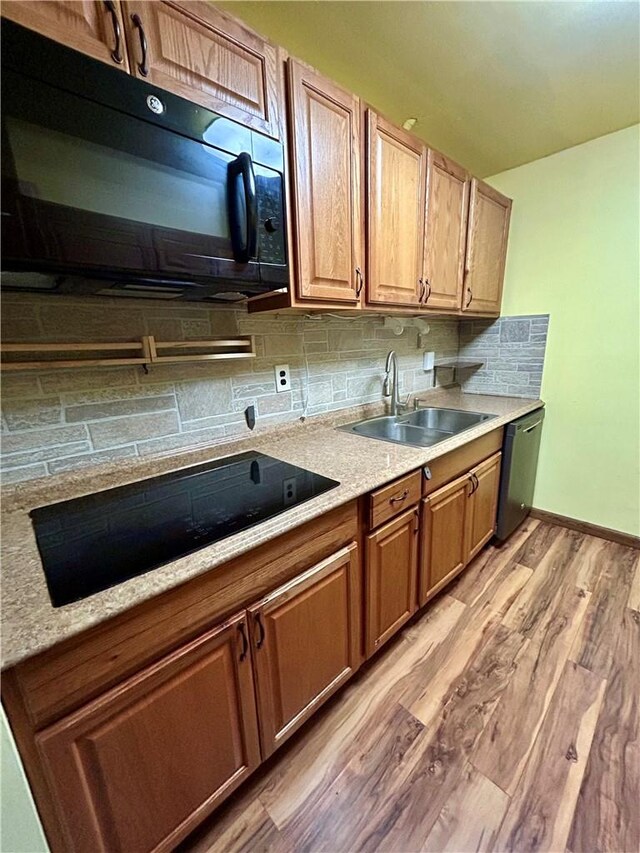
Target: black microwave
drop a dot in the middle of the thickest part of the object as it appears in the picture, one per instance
(112, 186)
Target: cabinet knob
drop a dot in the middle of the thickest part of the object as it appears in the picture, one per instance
(272, 225)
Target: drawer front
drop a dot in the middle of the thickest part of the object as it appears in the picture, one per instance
(391, 500)
(452, 465)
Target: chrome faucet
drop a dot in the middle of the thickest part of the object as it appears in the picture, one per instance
(391, 383)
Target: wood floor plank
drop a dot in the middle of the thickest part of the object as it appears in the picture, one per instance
(510, 734)
(436, 768)
(535, 547)
(634, 593)
(557, 568)
(607, 815)
(245, 828)
(541, 810)
(588, 561)
(327, 744)
(595, 644)
(481, 620)
(470, 818)
(470, 584)
(341, 816)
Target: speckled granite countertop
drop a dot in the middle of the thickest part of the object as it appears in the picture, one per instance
(30, 624)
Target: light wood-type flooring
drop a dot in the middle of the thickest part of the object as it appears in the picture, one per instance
(505, 717)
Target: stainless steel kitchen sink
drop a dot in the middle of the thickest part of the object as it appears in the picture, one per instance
(422, 428)
(445, 420)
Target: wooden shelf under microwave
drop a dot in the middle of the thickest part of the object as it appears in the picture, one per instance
(144, 351)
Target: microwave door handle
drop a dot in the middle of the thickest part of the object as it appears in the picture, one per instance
(243, 251)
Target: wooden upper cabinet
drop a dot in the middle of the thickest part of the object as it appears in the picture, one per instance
(306, 643)
(444, 533)
(391, 578)
(139, 768)
(489, 215)
(396, 191)
(445, 232)
(483, 504)
(325, 166)
(206, 56)
(91, 26)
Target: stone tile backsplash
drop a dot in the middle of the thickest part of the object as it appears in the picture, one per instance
(53, 421)
(57, 420)
(512, 349)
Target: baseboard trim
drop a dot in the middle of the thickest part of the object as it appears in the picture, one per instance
(618, 536)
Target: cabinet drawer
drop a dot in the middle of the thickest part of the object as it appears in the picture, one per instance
(459, 461)
(392, 499)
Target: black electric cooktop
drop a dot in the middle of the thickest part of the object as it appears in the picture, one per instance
(91, 543)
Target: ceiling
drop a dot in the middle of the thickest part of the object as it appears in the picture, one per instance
(492, 84)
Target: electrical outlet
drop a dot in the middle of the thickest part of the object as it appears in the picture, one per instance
(289, 491)
(283, 377)
(428, 360)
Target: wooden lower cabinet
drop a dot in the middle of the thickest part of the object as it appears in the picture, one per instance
(306, 640)
(443, 535)
(457, 521)
(140, 767)
(483, 505)
(391, 578)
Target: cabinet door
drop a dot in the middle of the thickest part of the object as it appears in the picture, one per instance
(489, 215)
(396, 188)
(207, 56)
(483, 504)
(306, 644)
(325, 148)
(445, 232)
(90, 26)
(444, 545)
(391, 577)
(139, 767)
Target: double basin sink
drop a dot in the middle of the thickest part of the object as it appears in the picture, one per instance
(421, 428)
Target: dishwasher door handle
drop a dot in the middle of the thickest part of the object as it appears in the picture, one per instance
(533, 426)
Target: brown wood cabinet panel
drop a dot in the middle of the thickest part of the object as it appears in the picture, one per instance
(85, 25)
(325, 149)
(68, 675)
(445, 468)
(388, 501)
(306, 643)
(207, 56)
(483, 505)
(444, 536)
(139, 767)
(445, 232)
(396, 190)
(489, 215)
(391, 578)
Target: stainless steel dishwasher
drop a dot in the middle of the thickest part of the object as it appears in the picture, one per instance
(518, 476)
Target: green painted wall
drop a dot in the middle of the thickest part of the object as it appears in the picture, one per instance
(20, 829)
(574, 253)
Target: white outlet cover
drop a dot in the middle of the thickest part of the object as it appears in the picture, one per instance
(283, 377)
(428, 360)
